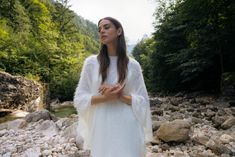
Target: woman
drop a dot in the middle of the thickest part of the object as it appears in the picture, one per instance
(112, 100)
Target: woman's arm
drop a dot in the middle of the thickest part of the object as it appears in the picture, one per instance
(108, 93)
(102, 98)
(126, 99)
(97, 99)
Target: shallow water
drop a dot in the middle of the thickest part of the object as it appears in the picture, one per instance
(60, 112)
(64, 111)
(8, 118)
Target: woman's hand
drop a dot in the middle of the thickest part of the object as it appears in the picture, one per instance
(103, 88)
(111, 92)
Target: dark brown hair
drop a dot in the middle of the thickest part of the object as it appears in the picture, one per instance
(122, 61)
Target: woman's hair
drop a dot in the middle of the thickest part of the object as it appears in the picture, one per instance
(123, 60)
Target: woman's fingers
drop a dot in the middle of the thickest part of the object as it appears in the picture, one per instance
(119, 88)
(102, 87)
(105, 90)
(109, 89)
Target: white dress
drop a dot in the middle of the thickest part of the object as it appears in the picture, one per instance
(113, 129)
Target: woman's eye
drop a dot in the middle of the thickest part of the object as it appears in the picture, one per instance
(107, 27)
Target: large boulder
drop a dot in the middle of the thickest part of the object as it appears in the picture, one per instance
(177, 130)
(17, 92)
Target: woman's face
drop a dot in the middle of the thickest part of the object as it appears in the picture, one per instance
(108, 32)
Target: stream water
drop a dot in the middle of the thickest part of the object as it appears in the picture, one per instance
(60, 112)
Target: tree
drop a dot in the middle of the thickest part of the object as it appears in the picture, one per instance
(194, 45)
(41, 40)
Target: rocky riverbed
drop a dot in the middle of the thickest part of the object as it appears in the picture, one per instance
(184, 126)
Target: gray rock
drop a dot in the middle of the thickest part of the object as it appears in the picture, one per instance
(228, 123)
(157, 112)
(32, 152)
(8, 154)
(48, 128)
(217, 147)
(71, 132)
(197, 120)
(42, 114)
(64, 122)
(200, 137)
(225, 139)
(155, 102)
(16, 124)
(3, 126)
(18, 92)
(218, 120)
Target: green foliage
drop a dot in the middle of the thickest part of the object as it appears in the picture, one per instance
(142, 53)
(194, 45)
(41, 39)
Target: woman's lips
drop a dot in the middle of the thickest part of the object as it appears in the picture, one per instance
(103, 37)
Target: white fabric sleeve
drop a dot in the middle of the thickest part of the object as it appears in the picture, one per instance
(140, 103)
(83, 94)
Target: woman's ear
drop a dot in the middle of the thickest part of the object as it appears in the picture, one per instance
(119, 31)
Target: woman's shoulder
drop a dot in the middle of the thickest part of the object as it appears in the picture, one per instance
(134, 64)
(92, 59)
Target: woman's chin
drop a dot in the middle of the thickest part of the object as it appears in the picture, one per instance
(105, 42)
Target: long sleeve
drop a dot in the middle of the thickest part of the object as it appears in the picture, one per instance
(140, 103)
(82, 102)
(83, 94)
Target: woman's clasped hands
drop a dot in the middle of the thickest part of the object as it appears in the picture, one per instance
(111, 92)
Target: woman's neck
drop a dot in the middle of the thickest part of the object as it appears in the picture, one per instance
(112, 49)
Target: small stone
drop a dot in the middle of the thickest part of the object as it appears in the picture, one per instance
(164, 147)
(67, 147)
(155, 149)
(72, 140)
(8, 154)
(84, 152)
(47, 152)
(225, 139)
(228, 123)
(73, 149)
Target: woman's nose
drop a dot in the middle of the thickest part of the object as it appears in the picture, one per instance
(102, 30)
